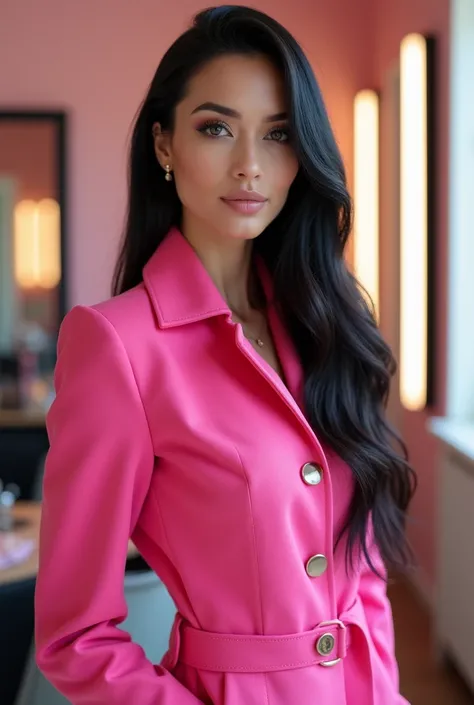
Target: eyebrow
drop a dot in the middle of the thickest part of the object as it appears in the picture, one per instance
(230, 112)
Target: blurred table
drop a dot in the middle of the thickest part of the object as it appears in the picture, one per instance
(21, 418)
(29, 514)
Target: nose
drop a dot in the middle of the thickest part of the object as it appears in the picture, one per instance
(246, 165)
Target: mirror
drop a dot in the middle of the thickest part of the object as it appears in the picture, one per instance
(32, 225)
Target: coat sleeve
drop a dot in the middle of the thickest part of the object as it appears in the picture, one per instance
(97, 475)
(378, 611)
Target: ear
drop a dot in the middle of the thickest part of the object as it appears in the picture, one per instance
(162, 144)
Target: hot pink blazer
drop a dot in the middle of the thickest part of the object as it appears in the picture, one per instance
(169, 428)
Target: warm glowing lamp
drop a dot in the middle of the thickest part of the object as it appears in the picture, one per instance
(37, 244)
(414, 221)
(366, 192)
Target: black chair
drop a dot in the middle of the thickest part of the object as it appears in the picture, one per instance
(16, 634)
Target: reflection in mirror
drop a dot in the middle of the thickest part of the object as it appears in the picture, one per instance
(31, 259)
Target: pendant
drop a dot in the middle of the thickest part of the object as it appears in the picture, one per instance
(259, 342)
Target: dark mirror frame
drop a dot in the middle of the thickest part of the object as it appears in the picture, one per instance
(23, 445)
(59, 119)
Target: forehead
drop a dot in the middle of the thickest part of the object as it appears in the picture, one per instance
(240, 82)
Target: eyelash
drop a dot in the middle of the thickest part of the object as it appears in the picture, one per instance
(218, 123)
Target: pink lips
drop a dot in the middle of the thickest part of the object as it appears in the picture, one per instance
(246, 202)
(248, 207)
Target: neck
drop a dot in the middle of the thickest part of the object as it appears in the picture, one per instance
(227, 261)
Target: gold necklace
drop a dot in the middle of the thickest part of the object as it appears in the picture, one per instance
(258, 340)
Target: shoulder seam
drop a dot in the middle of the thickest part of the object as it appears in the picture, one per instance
(111, 325)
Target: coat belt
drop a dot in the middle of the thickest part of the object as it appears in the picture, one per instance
(325, 645)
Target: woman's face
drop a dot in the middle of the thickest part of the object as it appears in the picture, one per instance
(230, 150)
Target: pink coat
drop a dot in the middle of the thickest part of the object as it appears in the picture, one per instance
(183, 438)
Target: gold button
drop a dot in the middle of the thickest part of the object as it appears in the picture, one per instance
(325, 644)
(312, 473)
(316, 565)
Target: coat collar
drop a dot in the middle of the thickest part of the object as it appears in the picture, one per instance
(179, 286)
(181, 292)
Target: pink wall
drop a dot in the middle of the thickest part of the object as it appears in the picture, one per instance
(392, 20)
(96, 59)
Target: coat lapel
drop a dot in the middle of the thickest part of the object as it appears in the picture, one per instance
(182, 292)
(179, 285)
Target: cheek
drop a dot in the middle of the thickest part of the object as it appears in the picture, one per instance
(285, 172)
(197, 166)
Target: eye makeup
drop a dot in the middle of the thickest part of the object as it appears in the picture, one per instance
(215, 128)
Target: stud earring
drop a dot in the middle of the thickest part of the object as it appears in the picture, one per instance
(168, 175)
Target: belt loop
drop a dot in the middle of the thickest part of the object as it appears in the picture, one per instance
(170, 659)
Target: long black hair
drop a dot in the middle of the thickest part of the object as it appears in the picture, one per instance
(347, 365)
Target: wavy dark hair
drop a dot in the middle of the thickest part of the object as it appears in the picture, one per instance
(347, 365)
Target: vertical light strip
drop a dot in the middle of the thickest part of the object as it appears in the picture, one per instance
(413, 222)
(366, 193)
(49, 243)
(37, 244)
(25, 229)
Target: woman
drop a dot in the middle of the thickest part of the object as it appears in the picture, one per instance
(225, 407)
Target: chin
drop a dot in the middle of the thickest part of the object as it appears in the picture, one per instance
(245, 228)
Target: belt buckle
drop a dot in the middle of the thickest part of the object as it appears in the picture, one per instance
(331, 623)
